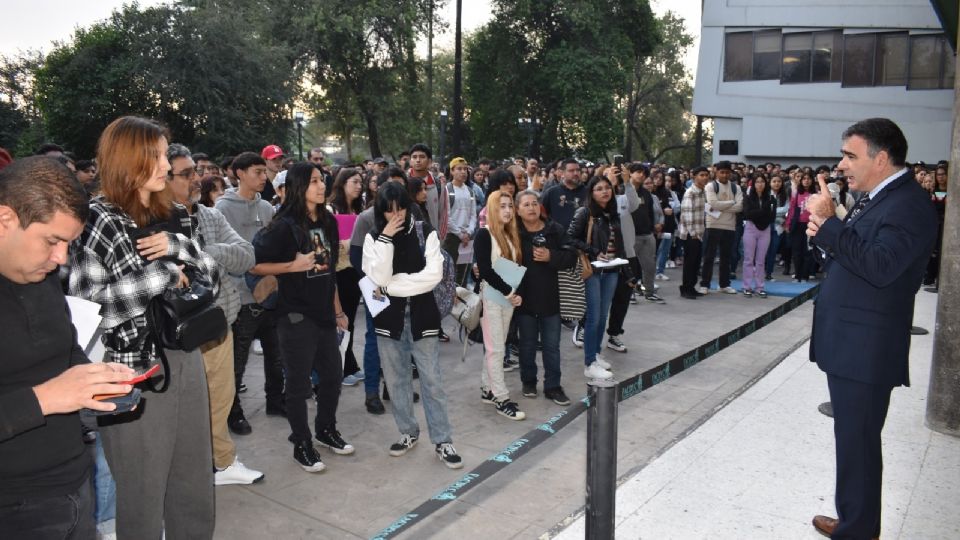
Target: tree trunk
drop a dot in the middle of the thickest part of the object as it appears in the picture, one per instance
(373, 134)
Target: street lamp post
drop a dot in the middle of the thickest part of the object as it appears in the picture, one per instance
(443, 134)
(298, 117)
(529, 126)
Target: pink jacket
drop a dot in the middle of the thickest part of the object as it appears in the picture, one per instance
(795, 199)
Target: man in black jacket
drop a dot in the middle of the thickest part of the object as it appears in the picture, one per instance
(45, 377)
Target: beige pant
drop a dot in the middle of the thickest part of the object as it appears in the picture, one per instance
(495, 322)
(218, 363)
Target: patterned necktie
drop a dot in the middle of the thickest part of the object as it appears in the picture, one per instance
(857, 208)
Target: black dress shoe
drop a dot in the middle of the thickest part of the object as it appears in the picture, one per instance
(238, 424)
(917, 331)
(933, 289)
(374, 405)
(826, 408)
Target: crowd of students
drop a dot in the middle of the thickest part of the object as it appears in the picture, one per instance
(289, 245)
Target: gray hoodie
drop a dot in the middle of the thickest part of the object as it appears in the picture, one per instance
(246, 217)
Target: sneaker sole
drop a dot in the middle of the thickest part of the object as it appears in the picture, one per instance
(339, 451)
(533, 395)
(315, 468)
(508, 369)
(560, 401)
(237, 482)
(450, 465)
(520, 415)
(618, 349)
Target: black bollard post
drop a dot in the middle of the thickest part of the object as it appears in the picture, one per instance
(601, 459)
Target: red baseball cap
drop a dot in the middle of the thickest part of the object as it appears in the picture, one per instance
(271, 151)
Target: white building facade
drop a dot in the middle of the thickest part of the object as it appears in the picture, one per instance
(782, 79)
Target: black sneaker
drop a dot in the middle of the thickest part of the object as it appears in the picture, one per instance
(486, 396)
(449, 456)
(510, 364)
(444, 338)
(557, 395)
(277, 406)
(374, 405)
(613, 342)
(238, 424)
(578, 336)
(331, 439)
(402, 446)
(530, 390)
(654, 299)
(305, 454)
(514, 351)
(509, 409)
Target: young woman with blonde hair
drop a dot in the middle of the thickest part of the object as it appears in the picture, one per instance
(498, 239)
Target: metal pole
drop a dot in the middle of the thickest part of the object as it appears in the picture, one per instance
(601, 459)
(300, 139)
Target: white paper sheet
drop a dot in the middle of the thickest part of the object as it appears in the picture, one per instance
(610, 264)
(85, 316)
(374, 303)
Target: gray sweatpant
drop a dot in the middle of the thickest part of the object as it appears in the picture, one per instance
(645, 246)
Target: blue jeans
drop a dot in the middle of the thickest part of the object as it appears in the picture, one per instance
(546, 330)
(600, 288)
(106, 489)
(64, 517)
(663, 253)
(395, 359)
(371, 357)
(772, 252)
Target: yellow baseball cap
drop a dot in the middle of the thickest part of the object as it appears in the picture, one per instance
(457, 161)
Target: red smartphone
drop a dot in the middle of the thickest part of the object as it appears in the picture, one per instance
(140, 376)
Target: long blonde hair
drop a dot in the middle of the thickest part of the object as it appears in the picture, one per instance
(126, 157)
(505, 234)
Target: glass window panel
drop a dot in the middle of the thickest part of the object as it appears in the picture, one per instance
(826, 57)
(858, 59)
(925, 52)
(738, 56)
(892, 60)
(949, 68)
(795, 66)
(766, 55)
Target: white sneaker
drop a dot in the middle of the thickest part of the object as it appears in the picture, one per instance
(671, 264)
(257, 347)
(729, 290)
(701, 289)
(236, 473)
(594, 371)
(602, 363)
(662, 277)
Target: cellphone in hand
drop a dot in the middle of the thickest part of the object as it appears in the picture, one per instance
(618, 160)
(124, 403)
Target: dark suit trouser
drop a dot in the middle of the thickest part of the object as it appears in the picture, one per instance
(691, 263)
(859, 412)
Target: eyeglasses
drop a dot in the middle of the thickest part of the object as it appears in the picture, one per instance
(207, 168)
(189, 173)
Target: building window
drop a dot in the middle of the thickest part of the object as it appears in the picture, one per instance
(827, 56)
(932, 63)
(751, 56)
(766, 55)
(811, 57)
(738, 57)
(892, 59)
(859, 59)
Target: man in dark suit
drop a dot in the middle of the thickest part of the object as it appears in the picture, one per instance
(861, 321)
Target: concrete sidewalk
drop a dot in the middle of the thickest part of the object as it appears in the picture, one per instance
(763, 466)
(358, 496)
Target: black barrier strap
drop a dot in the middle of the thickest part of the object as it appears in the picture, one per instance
(625, 390)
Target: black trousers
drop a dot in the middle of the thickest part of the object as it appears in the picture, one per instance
(619, 306)
(67, 517)
(349, 289)
(255, 322)
(859, 412)
(308, 346)
(717, 239)
(802, 258)
(691, 263)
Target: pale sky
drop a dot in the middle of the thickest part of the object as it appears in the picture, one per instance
(36, 24)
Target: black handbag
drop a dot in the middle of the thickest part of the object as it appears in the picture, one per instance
(182, 319)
